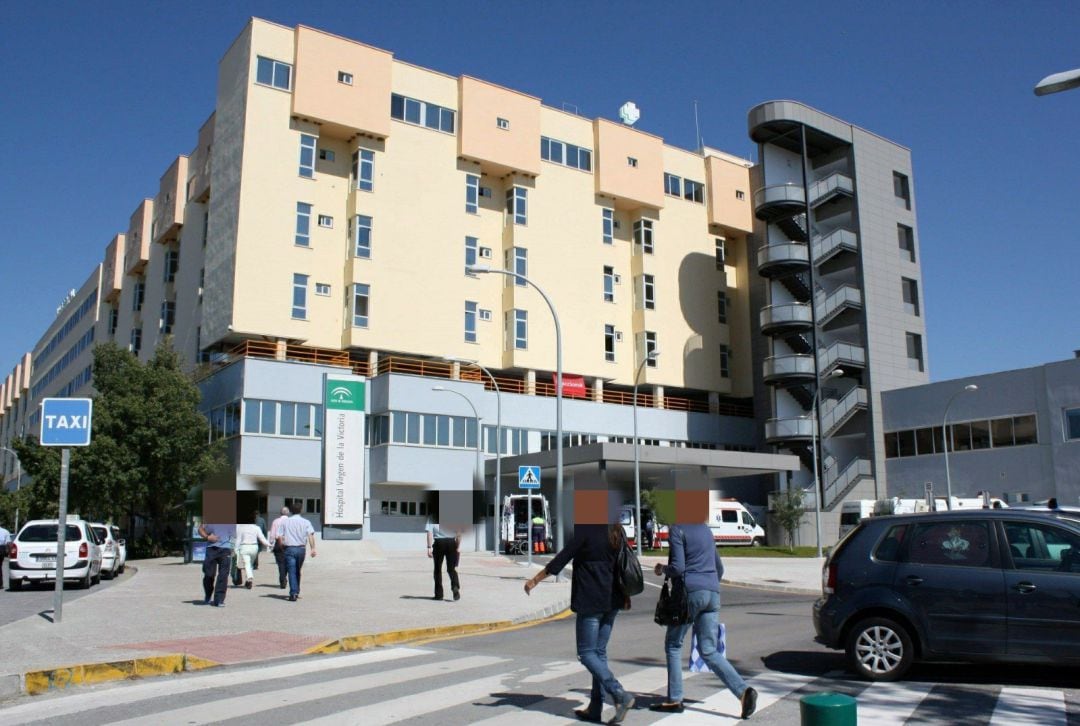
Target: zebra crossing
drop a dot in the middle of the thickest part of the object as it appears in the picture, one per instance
(424, 685)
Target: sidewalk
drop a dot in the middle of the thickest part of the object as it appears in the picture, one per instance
(156, 621)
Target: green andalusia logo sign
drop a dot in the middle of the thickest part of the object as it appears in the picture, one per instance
(347, 395)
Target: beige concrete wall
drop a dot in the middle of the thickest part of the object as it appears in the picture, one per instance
(113, 268)
(198, 182)
(727, 178)
(515, 148)
(137, 249)
(170, 200)
(631, 186)
(318, 95)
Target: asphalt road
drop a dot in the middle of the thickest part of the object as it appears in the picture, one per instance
(38, 599)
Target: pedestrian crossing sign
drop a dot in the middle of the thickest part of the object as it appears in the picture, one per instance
(528, 477)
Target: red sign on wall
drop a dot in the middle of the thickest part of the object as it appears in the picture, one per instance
(573, 386)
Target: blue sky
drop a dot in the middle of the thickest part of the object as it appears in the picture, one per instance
(100, 97)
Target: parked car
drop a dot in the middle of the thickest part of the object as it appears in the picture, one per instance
(32, 554)
(113, 549)
(975, 585)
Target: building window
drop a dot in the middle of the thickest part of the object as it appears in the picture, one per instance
(326, 154)
(361, 303)
(517, 201)
(168, 317)
(609, 343)
(114, 320)
(561, 152)
(672, 185)
(609, 284)
(299, 297)
(693, 191)
(721, 306)
(472, 193)
(631, 161)
(643, 235)
(471, 246)
(172, 264)
(740, 194)
(906, 237)
(322, 288)
(648, 293)
(270, 72)
(139, 295)
(421, 113)
(518, 328)
(363, 169)
(608, 229)
(470, 321)
(910, 290)
(361, 236)
(136, 341)
(325, 220)
(307, 156)
(902, 190)
(914, 351)
(721, 252)
(725, 361)
(303, 224)
(343, 77)
(503, 123)
(646, 346)
(517, 261)
(1072, 424)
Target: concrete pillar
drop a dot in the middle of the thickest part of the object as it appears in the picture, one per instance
(373, 363)
(280, 349)
(530, 383)
(455, 371)
(658, 396)
(598, 390)
(714, 402)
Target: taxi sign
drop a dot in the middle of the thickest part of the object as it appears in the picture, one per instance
(66, 421)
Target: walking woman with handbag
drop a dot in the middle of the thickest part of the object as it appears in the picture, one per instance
(596, 595)
(692, 556)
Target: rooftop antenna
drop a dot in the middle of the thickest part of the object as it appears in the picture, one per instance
(697, 127)
(629, 113)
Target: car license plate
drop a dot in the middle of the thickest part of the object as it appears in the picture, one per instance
(47, 562)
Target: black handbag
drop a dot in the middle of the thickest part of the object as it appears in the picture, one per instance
(671, 608)
(628, 571)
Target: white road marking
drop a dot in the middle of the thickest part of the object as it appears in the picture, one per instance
(1043, 706)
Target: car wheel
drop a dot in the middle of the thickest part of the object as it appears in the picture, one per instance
(14, 585)
(880, 649)
(120, 570)
(87, 581)
(97, 579)
(758, 542)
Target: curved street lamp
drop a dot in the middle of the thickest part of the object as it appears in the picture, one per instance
(484, 270)
(498, 446)
(479, 471)
(1058, 82)
(651, 355)
(945, 437)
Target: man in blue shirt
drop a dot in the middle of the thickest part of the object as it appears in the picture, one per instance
(218, 560)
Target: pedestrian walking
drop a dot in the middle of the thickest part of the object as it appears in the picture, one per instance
(596, 598)
(692, 555)
(296, 532)
(444, 546)
(538, 531)
(5, 540)
(260, 522)
(249, 540)
(277, 543)
(217, 561)
(650, 531)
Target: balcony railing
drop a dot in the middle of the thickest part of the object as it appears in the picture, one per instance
(783, 256)
(781, 429)
(787, 366)
(778, 200)
(787, 316)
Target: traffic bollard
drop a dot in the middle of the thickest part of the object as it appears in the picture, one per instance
(827, 709)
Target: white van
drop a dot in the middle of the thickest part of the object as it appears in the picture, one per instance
(732, 524)
(515, 522)
(854, 511)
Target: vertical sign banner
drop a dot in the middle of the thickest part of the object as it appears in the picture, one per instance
(344, 406)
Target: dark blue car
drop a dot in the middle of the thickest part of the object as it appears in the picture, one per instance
(971, 585)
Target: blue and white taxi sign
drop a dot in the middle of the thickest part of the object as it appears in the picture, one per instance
(66, 421)
(528, 477)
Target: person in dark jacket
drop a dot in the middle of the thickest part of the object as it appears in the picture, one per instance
(693, 557)
(596, 597)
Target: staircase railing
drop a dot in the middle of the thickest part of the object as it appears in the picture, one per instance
(828, 305)
(836, 416)
(837, 484)
(824, 247)
(835, 182)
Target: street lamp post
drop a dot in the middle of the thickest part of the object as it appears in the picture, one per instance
(485, 269)
(945, 438)
(18, 483)
(649, 355)
(1058, 82)
(479, 471)
(498, 447)
(814, 446)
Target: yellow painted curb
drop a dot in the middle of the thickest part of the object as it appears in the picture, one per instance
(38, 682)
(371, 640)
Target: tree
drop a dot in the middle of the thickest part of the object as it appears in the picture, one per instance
(149, 444)
(788, 511)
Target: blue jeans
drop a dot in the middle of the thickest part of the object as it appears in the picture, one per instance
(294, 562)
(593, 632)
(704, 607)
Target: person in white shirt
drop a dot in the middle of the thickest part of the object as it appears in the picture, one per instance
(248, 539)
(296, 532)
(278, 544)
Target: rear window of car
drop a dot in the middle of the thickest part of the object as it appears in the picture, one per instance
(961, 543)
(47, 533)
(102, 533)
(888, 549)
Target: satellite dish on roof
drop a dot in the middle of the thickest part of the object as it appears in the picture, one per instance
(629, 113)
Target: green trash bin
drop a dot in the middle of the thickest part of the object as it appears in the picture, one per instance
(827, 709)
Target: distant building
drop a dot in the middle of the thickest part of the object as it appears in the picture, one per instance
(325, 224)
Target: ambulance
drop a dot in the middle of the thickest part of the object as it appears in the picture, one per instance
(732, 524)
